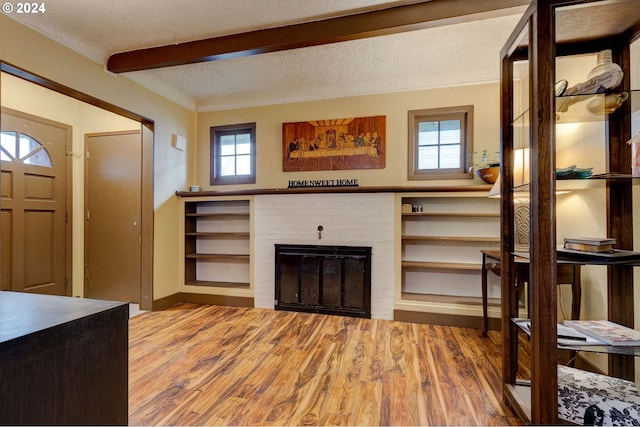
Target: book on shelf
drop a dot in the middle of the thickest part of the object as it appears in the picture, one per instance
(592, 241)
(606, 331)
(588, 248)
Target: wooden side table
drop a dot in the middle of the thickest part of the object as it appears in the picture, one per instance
(568, 273)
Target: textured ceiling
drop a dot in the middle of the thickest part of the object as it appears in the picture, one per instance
(449, 55)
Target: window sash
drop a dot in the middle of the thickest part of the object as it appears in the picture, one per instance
(439, 147)
(20, 147)
(441, 143)
(233, 154)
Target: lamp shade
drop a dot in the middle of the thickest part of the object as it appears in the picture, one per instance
(495, 190)
(520, 167)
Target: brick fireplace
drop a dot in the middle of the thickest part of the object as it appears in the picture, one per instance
(349, 219)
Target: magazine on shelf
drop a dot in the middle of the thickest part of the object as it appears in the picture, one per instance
(606, 331)
(566, 335)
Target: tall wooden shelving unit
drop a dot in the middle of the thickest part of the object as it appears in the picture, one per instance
(548, 29)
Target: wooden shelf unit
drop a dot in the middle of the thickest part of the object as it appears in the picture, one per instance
(443, 242)
(441, 265)
(548, 31)
(455, 214)
(463, 239)
(215, 284)
(220, 257)
(217, 243)
(494, 302)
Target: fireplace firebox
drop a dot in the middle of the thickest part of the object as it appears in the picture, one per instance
(324, 279)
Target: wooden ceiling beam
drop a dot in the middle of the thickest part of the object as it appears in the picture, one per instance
(351, 27)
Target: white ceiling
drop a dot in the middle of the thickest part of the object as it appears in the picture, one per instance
(451, 55)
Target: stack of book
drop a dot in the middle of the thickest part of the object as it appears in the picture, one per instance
(595, 249)
(589, 244)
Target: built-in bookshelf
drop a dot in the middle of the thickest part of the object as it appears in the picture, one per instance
(441, 237)
(217, 243)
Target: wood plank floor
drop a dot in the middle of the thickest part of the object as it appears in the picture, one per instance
(217, 365)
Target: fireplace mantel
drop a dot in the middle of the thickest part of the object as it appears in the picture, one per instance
(321, 190)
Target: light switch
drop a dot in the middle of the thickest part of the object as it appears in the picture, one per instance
(179, 142)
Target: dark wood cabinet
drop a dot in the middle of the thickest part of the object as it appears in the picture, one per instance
(548, 31)
(63, 361)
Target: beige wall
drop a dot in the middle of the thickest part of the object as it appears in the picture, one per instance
(173, 170)
(395, 106)
(29, 50)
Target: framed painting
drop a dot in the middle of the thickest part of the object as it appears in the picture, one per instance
(338, 144)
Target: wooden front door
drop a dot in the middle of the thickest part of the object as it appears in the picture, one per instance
(113, 202)
(33, 191)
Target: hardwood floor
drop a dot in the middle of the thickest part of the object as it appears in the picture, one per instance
(217, 365)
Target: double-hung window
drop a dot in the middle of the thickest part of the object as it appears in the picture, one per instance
(233, 154)
(441, 143)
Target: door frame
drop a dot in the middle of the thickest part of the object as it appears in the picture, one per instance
(147, 128)
(68, 188)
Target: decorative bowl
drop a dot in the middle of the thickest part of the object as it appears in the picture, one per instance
(489, 174)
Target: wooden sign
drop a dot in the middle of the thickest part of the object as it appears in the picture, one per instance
(323, 183)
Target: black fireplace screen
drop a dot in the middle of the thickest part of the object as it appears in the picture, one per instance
(324, 279)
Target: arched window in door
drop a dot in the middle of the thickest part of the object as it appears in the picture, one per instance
(15, 146)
